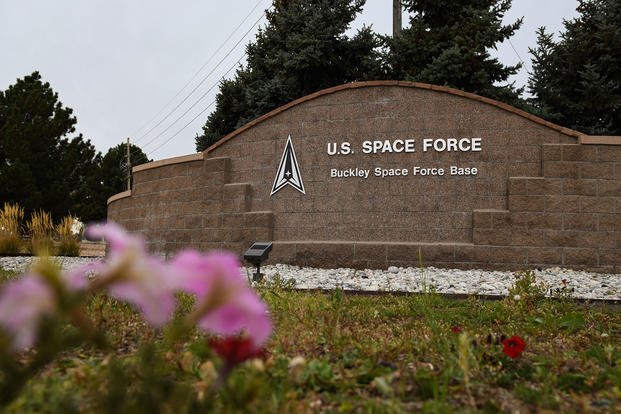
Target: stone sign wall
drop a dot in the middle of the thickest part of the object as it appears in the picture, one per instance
(379, 173)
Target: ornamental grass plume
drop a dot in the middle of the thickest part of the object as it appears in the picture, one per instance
(40, 228)
(11, 217)
(68, 241)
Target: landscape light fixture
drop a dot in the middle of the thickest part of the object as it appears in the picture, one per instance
(257, 254)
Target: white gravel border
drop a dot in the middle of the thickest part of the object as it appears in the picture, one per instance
(575, 283)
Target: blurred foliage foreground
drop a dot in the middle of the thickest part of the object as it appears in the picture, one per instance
(346, 353)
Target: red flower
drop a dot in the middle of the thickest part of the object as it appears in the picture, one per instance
(235, 349)
(456, 329)
(513, 347)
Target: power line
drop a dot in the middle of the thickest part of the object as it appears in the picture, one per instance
(516, 53)
(199, 84)
(197, 72)
(200, 113)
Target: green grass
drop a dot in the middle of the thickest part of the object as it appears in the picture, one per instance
(369, 354)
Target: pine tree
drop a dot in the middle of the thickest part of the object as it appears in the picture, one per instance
(114, 168)
(302, 49)
(576, 81)
(40, 166)
(448, 43)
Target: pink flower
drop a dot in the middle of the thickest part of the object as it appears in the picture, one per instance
(118, 239)
(226, 305)
(23, 303)
(132, 275)
(77, 278)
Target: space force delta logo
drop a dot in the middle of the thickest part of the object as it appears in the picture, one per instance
(288, 171)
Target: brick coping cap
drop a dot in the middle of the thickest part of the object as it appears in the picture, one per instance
(119, 196)
(599, 140)
(168, 161)
(417, 85)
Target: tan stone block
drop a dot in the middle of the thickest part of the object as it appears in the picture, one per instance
(551, 152)
(545, 256)
(580, 221)
(551, 221)
(580, 187)
(460, 220)
(235, 247)
(193, 222)
(217, 164)
(609, 222)
(561, 169)
(571, 238)
(556, 238)
(471, 253)
(501, 219)
(370, 252)
(175, 222)
(525, 237)
(608, 153)
(517, 186)
(579, 153)
(454, 235)
(597, 204)
(543, 186)
(567, 204)
(610, 257)
(236, 190)
(524, 169)
(324, 254)
(236, 205)
(580, 256)
(282, 252)
(482, 219)
(505, 255)
(527, 203)
(259, 219)
(212, 220)
(491, 237)
(403, 252)
(609, 188)
(213, 236)
(597, 170)
(257, 234)
(230, 220)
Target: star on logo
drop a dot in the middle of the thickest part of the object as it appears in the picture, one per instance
(288, 171)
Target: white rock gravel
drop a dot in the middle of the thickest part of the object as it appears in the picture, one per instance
(577, 284)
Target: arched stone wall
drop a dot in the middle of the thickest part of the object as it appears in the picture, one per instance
(540, 196)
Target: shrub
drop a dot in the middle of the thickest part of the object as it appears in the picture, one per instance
(11, 217)
(40, 229)
(68, 244)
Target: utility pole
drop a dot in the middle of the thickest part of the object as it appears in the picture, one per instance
(396, 18)
(129, 167)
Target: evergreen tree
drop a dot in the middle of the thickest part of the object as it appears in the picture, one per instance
(576, 81)
(40, 167)
(448, 43)
(302, 49)
(114, 168)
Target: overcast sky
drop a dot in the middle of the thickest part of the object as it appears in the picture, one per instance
(119, 63)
